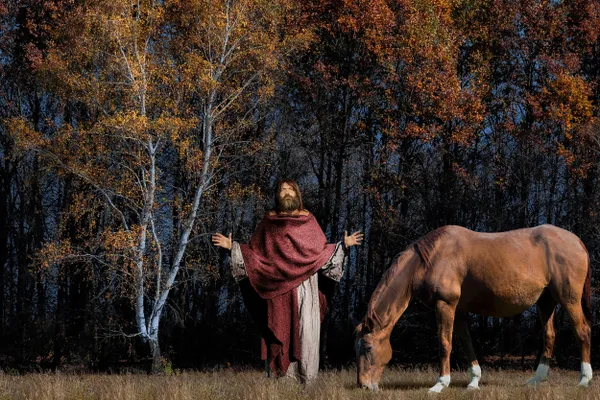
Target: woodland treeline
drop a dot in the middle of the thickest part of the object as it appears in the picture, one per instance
(130, 131)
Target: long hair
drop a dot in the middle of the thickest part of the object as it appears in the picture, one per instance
(294, 185)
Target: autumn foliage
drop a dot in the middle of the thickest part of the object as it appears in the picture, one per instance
(132, 130)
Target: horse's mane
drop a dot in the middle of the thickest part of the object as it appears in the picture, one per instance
(388, 276)
(427, 244)
(425, 247)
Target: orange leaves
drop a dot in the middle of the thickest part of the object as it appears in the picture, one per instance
(462, 136)
(370, 19)
(227, 52)
(237, 193)
(423, 133)
(567, 100)
(196, 71)
(370, 23)
(565, 110)
(24, 136)
(567, 155)
(155, 85)
(103, 53)
(174, 127)
(192, 156)
(429, 29)
(121, 241)
(53, 253)
(130, 123)
(439, 99)
(82, 212)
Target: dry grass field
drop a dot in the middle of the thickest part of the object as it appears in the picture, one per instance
(229, 385)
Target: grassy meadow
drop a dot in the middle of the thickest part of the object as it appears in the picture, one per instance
(227, 384)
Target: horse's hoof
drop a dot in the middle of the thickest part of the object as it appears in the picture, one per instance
(536, 380)
(437, 388)
(473, 387)
(584, 383)
(441, 383)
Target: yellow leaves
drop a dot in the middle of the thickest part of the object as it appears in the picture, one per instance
(120, 241)
(194, 159)
(135, 132)
(130, 20)
(567, 155)
(564, 107)
(444, 101)
(25, 137)
(53, 253)
(236, 192)
(82, 204)
(175, 127)
(568, 100)
(463, 136)
(228, 50)
(429, 28)
(425, 134)
(266, 91)
(198, 73)
(131, 122)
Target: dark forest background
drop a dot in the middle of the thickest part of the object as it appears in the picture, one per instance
(130, 131)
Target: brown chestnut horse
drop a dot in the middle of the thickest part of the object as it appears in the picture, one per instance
(457, 271)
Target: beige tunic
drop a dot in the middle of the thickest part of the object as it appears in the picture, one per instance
(307, 367)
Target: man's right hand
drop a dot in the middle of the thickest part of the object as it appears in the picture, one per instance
(222, 241)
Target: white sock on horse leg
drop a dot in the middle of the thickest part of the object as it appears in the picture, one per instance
(586, 374)
(474, 377)
(541, 373)
(442, 382)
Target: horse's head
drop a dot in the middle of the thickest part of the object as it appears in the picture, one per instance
(373, 352)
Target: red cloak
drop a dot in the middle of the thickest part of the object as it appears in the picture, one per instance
(283, 252)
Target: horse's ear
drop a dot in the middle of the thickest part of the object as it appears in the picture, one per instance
(369, 324)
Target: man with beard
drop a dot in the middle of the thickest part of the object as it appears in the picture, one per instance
(282, 263)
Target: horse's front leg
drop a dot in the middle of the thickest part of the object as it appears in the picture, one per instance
(445, 322)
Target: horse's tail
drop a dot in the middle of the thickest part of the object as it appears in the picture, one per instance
(586, 297)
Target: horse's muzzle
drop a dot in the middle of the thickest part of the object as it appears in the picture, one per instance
(371, 386)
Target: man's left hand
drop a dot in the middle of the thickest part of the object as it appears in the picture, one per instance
(353, 239)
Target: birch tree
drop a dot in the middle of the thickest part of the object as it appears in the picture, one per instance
(157, 90)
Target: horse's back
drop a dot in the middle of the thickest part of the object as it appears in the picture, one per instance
(504, 273)
(545, 246)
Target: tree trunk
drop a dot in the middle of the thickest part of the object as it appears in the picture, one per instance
(156, 366)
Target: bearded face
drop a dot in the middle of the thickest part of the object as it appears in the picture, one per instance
(288, 203)
(288, 199)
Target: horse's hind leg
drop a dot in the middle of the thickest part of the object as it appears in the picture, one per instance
(461, 329)
(584, 335)
(545, 306)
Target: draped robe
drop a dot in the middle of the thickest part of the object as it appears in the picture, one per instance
(278, 272)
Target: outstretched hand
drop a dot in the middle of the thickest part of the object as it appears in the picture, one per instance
(222, 241)
(353, 239)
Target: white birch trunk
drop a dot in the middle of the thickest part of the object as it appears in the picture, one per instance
(147, 321)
